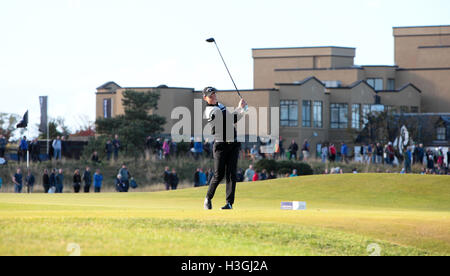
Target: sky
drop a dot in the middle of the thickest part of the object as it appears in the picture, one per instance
(65, 49)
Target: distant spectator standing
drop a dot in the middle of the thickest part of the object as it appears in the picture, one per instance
(125, 177)
(344, 152)
(3, 143)
(17, 180)
(53, 181)
(407, 159)
(332, 152)
(23, 148)
(166, 149)
(166, 176)
(29, 181)
(174, 179)
(249, 173)
(109, 149)
(116, 146)
(46, 181)
(76, 181)
(379, 153)
(293, 148)
(305, 150)
(324, 153)
(87, 178)
(98, 179)
(57, 147)
(59, 182)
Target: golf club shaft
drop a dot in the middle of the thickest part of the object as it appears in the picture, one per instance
(237, 90)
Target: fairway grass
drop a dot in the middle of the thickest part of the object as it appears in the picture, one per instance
(403, 214)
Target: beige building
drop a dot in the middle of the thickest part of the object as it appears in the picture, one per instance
(321, 93)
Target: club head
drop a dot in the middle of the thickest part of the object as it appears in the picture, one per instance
(210, 40)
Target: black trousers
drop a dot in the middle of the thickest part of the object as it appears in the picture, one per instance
(225, 165)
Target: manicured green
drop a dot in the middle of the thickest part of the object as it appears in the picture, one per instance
(403, 214)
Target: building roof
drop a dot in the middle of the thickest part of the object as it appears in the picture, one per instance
(108, 85)
(402, 88)
(301, 82)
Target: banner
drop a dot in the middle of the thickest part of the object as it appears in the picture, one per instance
(43, 102)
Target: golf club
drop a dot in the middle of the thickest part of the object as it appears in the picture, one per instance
(212, 40)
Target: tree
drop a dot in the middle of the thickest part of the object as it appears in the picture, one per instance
(56, 127)
(138, 122)
(8, 124)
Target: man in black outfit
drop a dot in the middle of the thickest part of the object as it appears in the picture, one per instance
(226, 148)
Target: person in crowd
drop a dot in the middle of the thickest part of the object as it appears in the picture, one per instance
(332, 152)
(293, 148)
(116, 146)
(430, 163)
(369, 153)
(3, 143)
(125, 177)
(305, 150)
(166, 177)
(202, 178)
(355, 170)
(324, 153)
(76, 181)
(158, 148)
(240, 176)
(46, 181)
(95, 158)
(35, 150)
(255, 176)
(57, 148)
(1, 183)
(17, 180)
(263, 175)
(166, 149)
(29, 182)
(254, 153)
(249, 173)
(59, 181)
(109, 148)
(378, 153)
(87, 178)
(53, 181)
(421, 154)
(98, 179)
(197, 177)
(272, 175)
(174, 149)
(120, 185)
(440, 158)
(23, 148)
(174, 179)
(344, 152)
(149, 142)
(390, 153)
(294, 173)
(407, 159)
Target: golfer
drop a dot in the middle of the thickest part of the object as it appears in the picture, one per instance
(226, 148)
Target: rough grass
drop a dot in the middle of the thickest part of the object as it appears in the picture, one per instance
(403, 214)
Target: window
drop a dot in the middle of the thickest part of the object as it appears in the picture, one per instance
(107, 108)
(356, 110)
(306, 114)
(317, 114)
(366, 112)
(404, 109)
(377, 84)
(289, 113)
(339, 115)
(441, 134)
(391, 84)
(414, 109)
